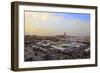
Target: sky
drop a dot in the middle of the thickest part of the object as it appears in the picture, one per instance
(54, 23)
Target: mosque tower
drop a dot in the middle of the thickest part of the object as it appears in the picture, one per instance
(64, 35)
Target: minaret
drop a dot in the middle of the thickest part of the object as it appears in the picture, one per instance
(64, 34)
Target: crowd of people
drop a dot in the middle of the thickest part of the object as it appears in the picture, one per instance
(45, 51)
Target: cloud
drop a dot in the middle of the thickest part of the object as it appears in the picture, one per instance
(50, 24)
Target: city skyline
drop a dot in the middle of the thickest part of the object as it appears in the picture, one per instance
(50, 23)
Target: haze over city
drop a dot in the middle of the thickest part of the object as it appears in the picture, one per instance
(50, 23)
(56, 36)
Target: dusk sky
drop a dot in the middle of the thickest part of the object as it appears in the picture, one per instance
(50, 23)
